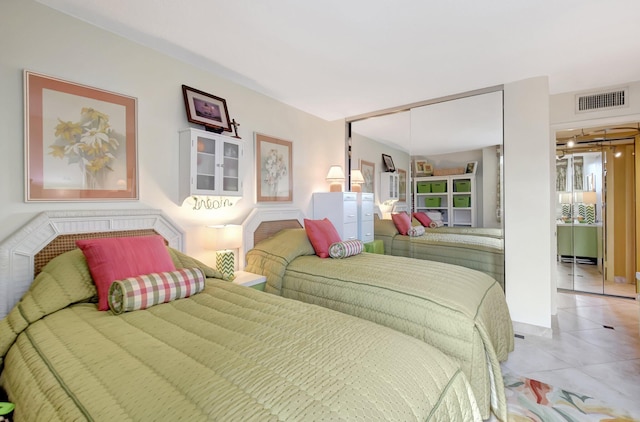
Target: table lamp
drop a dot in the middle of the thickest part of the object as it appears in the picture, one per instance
(357, 179)
(336, 178)
(590, 199)
(224, 240)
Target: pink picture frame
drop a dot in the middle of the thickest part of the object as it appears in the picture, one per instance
(80, 142)
(274, 169)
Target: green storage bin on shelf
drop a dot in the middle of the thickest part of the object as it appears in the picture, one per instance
(439, 187)
(462, 201)
(424, 187)
(432, 202)
(462, 186)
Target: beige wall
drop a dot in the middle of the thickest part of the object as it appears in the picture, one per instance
(40, 39)
(529, 210)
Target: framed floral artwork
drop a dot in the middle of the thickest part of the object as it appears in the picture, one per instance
(368, 170)
(423, 168)
(80, 142)
(273, 169)
(402, 185)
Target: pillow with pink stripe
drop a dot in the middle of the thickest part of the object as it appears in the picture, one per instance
(144, 291)
(345, 248)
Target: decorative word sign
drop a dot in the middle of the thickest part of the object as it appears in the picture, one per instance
(209, 203)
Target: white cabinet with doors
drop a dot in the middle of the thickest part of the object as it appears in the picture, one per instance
(210, 164)
(389, 186)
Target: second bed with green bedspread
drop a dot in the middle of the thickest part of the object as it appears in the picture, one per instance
(460, 311)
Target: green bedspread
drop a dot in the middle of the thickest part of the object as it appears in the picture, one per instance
(473, 231)
(458, 310)
(482, 253)
(229, 353)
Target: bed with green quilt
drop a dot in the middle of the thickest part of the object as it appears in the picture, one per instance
(472, 231)
(460, 311)
(227, 353)
(462, 247)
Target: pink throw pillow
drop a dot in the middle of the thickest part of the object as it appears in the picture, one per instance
(402, 222)
(422, 218)
(321, 234)
(117, 258)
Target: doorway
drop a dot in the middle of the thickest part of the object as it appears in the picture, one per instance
(596, 210)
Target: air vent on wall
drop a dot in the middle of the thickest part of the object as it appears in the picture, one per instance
(602, 100)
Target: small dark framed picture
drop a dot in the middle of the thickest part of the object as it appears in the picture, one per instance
(388, 163)
(471, 167)
(206, 109)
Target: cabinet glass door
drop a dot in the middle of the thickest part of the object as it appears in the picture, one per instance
(206, 164)
(230, 167)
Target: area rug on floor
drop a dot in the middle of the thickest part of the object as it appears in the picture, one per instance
(531, 400)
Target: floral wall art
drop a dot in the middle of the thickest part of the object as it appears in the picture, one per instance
(273, 169)
(368, 170)
(80, 142)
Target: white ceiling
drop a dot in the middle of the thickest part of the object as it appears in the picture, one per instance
(340, 58)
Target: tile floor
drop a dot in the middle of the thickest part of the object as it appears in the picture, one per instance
(588, 278)
(585, 357)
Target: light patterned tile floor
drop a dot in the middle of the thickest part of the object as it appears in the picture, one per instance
(584, 356)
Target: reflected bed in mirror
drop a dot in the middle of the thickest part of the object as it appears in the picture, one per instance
(444, 136)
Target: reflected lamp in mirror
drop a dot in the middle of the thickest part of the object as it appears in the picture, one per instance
(590, 199)
(357, 179)
(224, 239)
(565, 202)
(335, 177)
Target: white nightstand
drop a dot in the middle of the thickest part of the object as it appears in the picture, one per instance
(255, 281)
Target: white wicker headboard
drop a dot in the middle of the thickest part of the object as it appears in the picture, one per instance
(17, 252)
(257, 217)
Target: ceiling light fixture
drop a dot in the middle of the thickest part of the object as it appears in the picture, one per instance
(617, 153)
(571, 142)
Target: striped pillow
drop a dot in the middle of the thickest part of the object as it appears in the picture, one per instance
(416, 231)
(345, 248)
(143, 291)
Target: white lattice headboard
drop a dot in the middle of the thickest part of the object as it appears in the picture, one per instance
(17, 252)
(257, 217)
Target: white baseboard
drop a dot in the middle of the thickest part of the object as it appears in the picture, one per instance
(532, 330)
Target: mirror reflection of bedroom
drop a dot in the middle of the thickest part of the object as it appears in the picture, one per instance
(448, 158)
(596, 210)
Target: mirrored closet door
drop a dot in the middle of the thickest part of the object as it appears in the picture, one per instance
(595, 212)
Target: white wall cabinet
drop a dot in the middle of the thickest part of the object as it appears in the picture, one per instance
(210, 164)
(341, 208)
(453, 196)
(389, 186)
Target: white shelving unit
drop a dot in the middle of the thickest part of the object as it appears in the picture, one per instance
(454, 198)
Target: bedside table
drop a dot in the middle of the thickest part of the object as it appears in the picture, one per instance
(255, 281)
